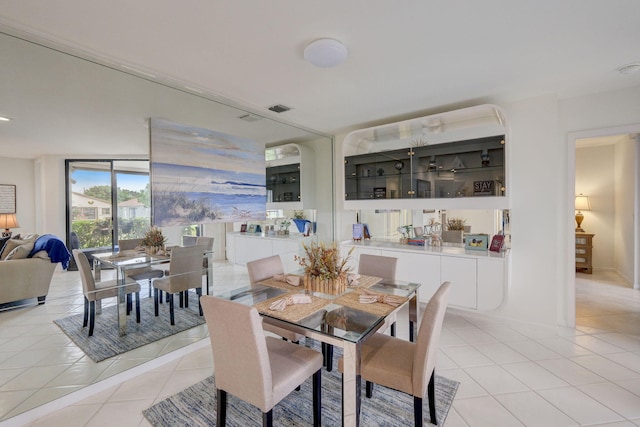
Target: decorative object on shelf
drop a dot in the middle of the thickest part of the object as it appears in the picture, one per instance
(484, 188)
(456, 224)
(455, 230)
(243, 228)
(301, 224)
(399, 165)
(496, 243)
(380, 172)
(299, 215)
(485, 158)
(405, 231)
(8, 221)
(379, 192)
(154, 241)
(432, 166)
(476, 242)
(582, 204)
(434, 230)
(284, 226)
(324, 270)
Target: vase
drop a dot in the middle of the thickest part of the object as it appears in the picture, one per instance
(335, 286)
(300, 224)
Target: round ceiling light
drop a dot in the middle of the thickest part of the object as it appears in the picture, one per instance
(325, 53)
(629, 68)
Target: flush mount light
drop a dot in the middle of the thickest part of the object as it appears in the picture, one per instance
(629, 68)
(5, 119)
(325, 53)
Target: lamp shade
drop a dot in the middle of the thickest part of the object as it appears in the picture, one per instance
(582, 203)
(8, 221)
(325, 53)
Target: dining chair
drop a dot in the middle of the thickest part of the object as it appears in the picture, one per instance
(258, 369)
(98, 291)
(207, 244)
(406, 366)
(143, 273)
(385, 268)
(186, 273)
(263, 269)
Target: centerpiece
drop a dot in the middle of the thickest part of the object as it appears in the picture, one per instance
(154, 241)
(324, 270)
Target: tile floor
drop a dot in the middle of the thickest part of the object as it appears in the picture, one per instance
(510, 375)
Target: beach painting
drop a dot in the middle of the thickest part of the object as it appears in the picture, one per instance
(201, 176)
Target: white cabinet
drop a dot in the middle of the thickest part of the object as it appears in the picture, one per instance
(461, 272)
(478, 278)
(245, 247)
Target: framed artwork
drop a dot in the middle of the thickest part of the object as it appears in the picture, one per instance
(496, 243)
(243, 228)
(7, 198)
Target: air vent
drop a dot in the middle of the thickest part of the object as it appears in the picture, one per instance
(279, 108)
(249, 118)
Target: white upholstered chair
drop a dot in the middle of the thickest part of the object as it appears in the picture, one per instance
(257, 369)
(263, 269)
(383, 267)
(186, 273)
(98, 291)
(406, 366)
(143, 273)
(207, 244)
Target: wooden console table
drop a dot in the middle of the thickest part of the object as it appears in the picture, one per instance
(584, 257)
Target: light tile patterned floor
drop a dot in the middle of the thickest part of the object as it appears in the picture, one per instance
(511, 375)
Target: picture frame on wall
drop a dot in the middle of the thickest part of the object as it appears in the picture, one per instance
(7, 199)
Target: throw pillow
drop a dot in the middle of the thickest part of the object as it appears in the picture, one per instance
(3, 240)
(21, 251)
(12, 243)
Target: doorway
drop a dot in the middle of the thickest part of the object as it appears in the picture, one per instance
(604, 165)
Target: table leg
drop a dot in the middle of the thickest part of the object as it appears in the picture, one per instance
(351, 385)
(122, 302)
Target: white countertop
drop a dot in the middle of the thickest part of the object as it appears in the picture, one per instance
(446, 249)
(294, 236)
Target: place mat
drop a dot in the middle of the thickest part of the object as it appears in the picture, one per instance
(283, 285)
(295, 312)
(367, 281)
(352, 300)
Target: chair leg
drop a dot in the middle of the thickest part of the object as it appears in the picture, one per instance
(393, 329)
(186, 299)
(171, 315)
(92, 316)
(317, 398)
(369, 388)
(85, 319)
(137, 307)
(156, 299)
(411, 331)
(417, 411)
(267, 418)
(199, 293)
(150, 287)
(329, 357)
(181, 294)
(431, 392)
(129, 304)
(221, 410)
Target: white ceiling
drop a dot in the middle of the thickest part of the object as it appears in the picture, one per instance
(405, 56)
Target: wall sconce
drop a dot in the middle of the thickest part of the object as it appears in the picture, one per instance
(582, 204)
(8, 221)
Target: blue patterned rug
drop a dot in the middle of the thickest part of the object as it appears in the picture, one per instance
(196, 406)
(106, 341)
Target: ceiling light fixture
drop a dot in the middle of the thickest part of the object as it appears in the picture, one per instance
(5, 119)
(325, 53)
(629, 68)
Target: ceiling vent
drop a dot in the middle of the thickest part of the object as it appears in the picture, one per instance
(279, 108)
(249, 118)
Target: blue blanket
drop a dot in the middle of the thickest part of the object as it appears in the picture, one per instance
(55, 247)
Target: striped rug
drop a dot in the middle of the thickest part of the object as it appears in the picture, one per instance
(106, 341)
(196, 406)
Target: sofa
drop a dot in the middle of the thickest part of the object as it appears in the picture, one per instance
(27, 266)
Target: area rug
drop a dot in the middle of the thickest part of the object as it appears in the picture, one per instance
(106, 341)
(196, 406)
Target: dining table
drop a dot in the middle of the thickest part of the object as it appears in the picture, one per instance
(123, 261)
(343, 319)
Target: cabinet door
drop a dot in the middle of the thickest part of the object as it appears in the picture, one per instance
(491, 280)
(287, 249)
(257, 248)
(461, 272)
(355, 255)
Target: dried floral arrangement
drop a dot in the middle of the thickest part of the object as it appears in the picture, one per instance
(324, 261)
(299, 215)
(456, 223)
(154, 238)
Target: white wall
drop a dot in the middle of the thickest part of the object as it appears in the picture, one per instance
(20, 172)
(625, 189)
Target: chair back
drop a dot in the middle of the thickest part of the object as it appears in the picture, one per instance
(265, 268)
(424, 359)
(88, 282)
(128, 244)
(378, 266)
(240, 353)
(206, 242)
(186, 268)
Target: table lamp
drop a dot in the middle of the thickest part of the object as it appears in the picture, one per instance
(8, 221)
(582, 204)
